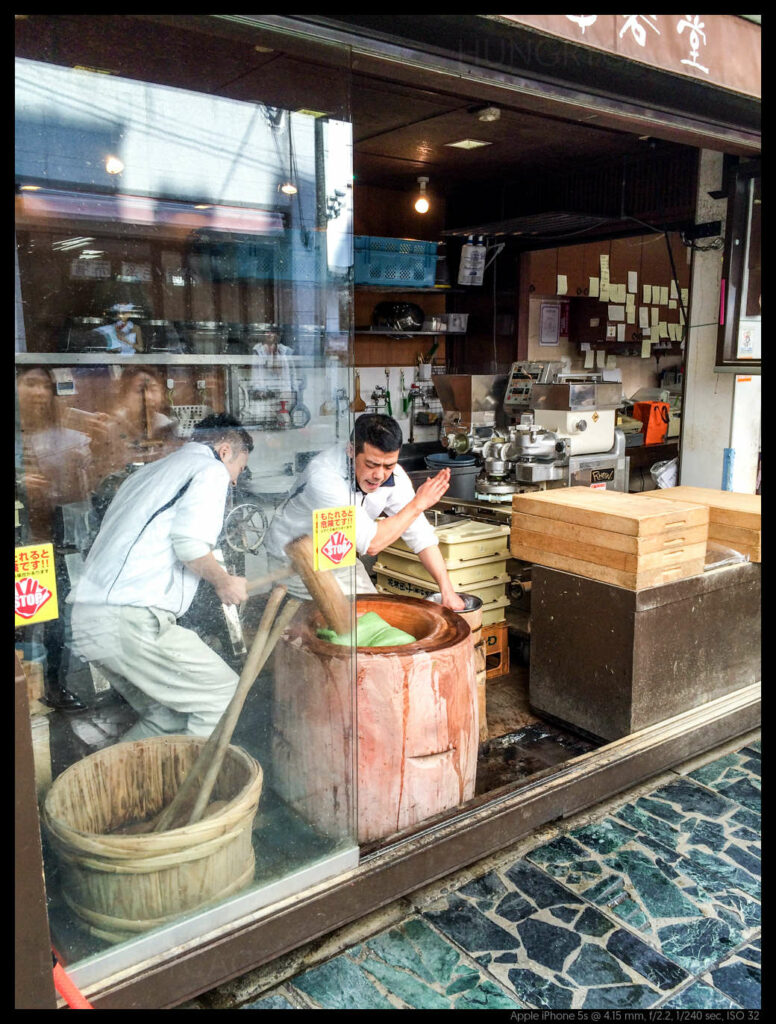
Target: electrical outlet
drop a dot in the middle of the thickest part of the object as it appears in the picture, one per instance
(170, 383)
(201, 385)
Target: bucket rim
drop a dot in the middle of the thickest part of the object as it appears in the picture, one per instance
(126, 846)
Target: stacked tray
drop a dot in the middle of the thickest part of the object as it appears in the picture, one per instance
(462, 541)
(623, 539)
(475, 555)
(734, 518)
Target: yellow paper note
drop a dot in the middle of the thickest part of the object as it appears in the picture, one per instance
(334, 537)
(646, 296)
(35, 585)
(646, 348)
(563, 285)
(592, 288)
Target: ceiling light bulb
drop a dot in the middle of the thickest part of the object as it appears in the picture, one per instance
(421, 203)
(113, 165)
(489, 114)
(288, 188)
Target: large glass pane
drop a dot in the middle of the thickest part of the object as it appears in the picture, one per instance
(183, 245)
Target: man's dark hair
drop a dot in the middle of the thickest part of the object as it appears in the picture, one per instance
(373, 428)
(219, 427)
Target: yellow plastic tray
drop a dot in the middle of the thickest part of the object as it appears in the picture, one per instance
(467, 539)
(475, 570)
(401, 583)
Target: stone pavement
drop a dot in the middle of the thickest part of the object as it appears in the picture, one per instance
(648, 900)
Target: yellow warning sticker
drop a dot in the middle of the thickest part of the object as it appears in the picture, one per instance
(35, 585)
(334, 537)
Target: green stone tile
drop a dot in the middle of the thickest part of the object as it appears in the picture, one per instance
(415, 947)
(715, 770)
(660, 896)
(272, 1001)
(640, 818)
(594, 966)
(623, 997)
(486, 996)
(741, 982)
(535, 990)
(695, 945)
(603, 837)
(341, 984)
(412, 992)
(699, 997)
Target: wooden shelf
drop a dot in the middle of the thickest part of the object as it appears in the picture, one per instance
(442, 289)
(405, 334)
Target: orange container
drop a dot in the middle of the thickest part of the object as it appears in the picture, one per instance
(654, 417)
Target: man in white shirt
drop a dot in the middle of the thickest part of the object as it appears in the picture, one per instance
(382, 487)
(154, 546)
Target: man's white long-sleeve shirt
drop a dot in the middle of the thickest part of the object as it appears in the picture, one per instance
(327, 482)
(167, 512)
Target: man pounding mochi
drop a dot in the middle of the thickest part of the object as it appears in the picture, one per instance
(154, 546)
(382, 487)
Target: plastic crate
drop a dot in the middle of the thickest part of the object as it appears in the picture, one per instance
(404, 262)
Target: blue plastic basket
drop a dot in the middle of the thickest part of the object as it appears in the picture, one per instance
(404, 262)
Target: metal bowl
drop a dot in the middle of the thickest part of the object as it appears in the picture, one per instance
(472, 602)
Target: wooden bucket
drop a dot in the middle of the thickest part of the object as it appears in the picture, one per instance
(121, 885)
(416, 715)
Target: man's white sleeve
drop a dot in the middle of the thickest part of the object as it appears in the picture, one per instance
(420, 533)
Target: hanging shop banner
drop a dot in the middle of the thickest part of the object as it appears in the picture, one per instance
(721, 49)
(334, 537)
(35, 585)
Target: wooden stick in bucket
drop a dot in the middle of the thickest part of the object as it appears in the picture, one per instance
(253, 665)
(178, 809)
(323, 587)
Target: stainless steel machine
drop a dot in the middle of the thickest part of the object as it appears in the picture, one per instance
(566, 434)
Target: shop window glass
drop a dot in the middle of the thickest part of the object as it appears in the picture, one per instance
(183, 245)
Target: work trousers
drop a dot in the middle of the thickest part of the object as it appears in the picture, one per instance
(166, 673)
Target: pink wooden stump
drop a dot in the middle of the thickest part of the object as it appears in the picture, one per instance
(417, 721)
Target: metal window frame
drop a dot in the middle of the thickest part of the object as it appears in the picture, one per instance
(735, 270)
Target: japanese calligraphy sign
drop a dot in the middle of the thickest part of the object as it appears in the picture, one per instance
(35, 585)
(334, 537)
(720, 49)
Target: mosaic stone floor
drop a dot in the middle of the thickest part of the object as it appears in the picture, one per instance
(657, 904)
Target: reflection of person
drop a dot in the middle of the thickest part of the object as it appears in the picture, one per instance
(382, 488)
(154, 546)
(57, 462)
(122, 336)
(57, 468)
(138, 415)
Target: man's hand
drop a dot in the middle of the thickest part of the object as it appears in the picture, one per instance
(453, 601)
(232, 589)
(431, 490)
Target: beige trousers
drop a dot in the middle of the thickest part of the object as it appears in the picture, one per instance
(168, 675)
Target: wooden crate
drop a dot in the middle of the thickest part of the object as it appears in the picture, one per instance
(608, 536)
(734, 518)
(495, 639)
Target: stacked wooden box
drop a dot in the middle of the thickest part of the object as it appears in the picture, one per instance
(734, 518)
(622, 539)
(475, 556)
